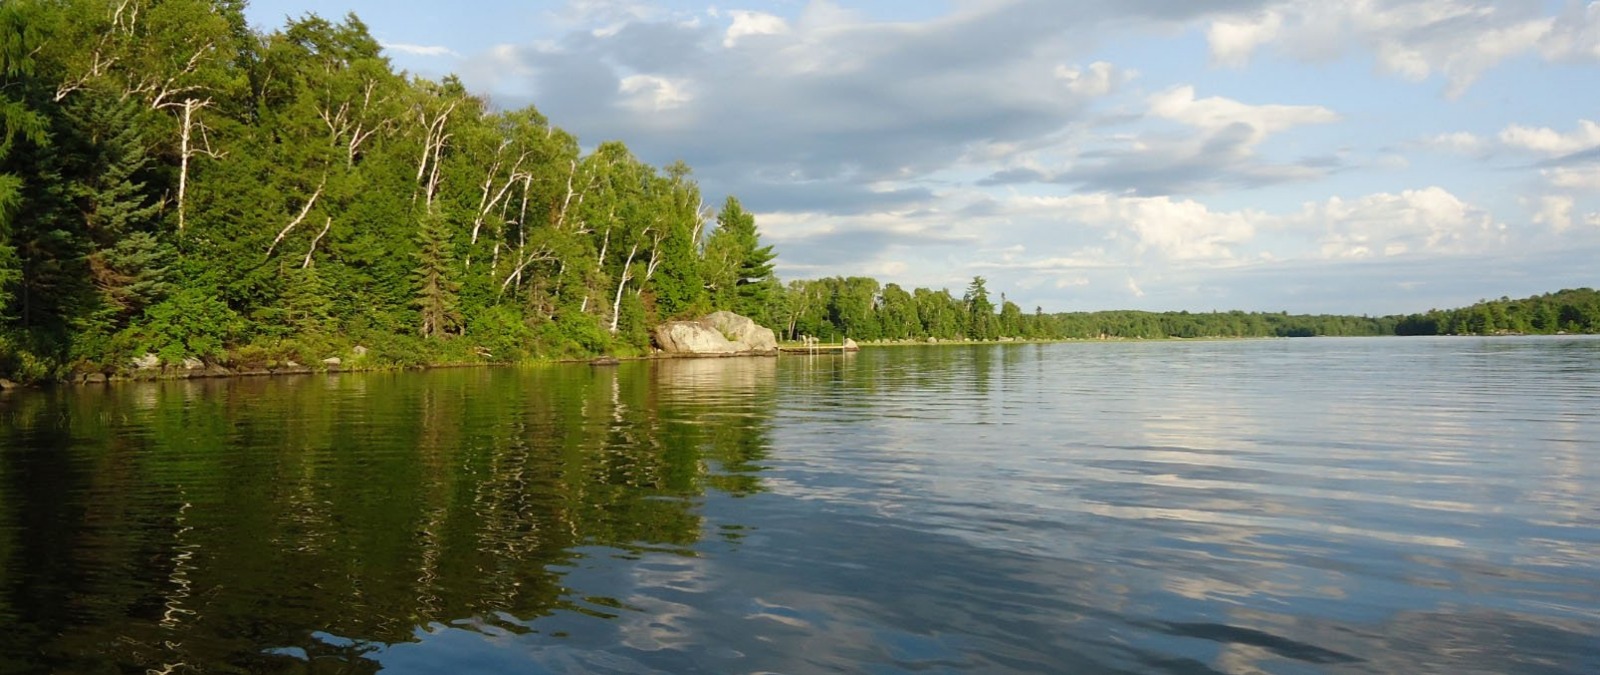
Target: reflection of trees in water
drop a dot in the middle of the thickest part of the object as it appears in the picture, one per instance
(218, 525)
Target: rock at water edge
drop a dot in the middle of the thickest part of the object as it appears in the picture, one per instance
(691, 337)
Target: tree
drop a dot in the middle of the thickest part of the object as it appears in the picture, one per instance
(20, 38)
(679, 288)
(739, 268)
(898, 314)
(980, 312)
(436, 298)
(1010, 322)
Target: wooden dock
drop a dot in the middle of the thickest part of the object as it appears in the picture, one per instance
(816, 349)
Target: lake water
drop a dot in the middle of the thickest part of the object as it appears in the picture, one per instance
(1287, 506)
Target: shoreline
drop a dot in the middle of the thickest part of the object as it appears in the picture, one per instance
(785, 349)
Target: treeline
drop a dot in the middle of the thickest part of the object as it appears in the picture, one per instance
(862, 309)
(1566, 311)
(174, 182)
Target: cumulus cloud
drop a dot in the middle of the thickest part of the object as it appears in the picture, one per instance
(1234, 39)
(746, 24)
(1098, 79)
(1554, 211)
(1429, 220)
(1181, 230)
(1552, 143)
(1216, 114)
(1218, 149)
(650, 93)
(1459, 142)
(1579, 179)
(1457, 40)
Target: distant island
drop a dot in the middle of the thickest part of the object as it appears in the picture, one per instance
(860, 308)
(178, 189)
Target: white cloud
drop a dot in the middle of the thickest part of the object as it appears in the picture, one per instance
(1430, 220)
(1554, 211)
(1171, 229)
(419, 50)
(1099, 79)
(1576, 36)
(1579, 179)
(1217, 113)
(1071, 282)
(1550, 142)
(649, 93)
(1414, 39)
(746, 24)
(1460, 142)
(1233, 40)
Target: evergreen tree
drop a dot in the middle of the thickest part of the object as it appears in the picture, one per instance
(980, 312)
(436, 298)
(20, 38)
(739, 267)
(128, 261)
(307, 309)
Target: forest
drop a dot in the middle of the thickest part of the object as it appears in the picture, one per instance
(863, 309)
(1570, 311)
(178, 186)
(175, 183)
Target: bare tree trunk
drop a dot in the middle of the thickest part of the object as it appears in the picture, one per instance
(627, 273)
(297, 219)
(325, 227)
(189, 148)
(185, 134)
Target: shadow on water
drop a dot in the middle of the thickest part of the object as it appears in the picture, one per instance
(261, 525)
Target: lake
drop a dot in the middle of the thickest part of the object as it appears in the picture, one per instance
(1383, 505)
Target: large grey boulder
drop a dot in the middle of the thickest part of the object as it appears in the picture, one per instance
(691, 337)
(716, 334)
(743, 332)
(147, 362)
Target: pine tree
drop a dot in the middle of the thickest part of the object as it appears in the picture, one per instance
(19, 38)
(437, 291)
(306, 305)
(740, 268)
(128, 262)
(980, 312)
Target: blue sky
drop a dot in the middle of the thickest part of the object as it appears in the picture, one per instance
(1370, 156)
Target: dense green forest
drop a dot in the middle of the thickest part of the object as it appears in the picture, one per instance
(1567, 311)
(174, 182)
(862, 309)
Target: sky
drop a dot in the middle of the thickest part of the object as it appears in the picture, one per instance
(1356, 157)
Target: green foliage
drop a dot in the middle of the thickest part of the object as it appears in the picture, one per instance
(502, 333)
(1566, 311)
(576, 334)
(190, 323)
(436, 286)
(318, 197)
(981, 324)
(738, 268)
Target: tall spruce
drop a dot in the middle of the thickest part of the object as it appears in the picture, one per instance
(739, 268)
(436, 299)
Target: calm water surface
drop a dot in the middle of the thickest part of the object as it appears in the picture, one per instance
(1290, 506)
